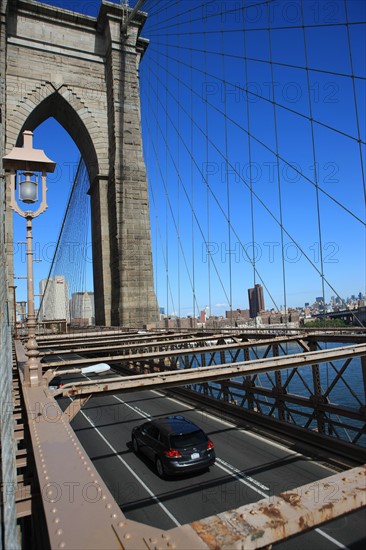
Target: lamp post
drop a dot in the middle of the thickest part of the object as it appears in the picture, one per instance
(27, 166)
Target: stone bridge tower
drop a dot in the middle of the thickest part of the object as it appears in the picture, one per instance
(83, 71)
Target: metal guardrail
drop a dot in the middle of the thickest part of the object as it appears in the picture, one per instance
(8, 527)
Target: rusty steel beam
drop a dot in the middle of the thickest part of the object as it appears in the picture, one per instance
(276, 518)
(110, 337)
(75, 406)
(151, 355)
(143, 343)
(183, 377)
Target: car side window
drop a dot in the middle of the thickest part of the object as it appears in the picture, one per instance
(153, 432)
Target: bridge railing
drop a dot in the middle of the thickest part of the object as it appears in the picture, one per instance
(8, 529)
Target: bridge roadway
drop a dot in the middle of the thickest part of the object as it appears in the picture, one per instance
(248, 468)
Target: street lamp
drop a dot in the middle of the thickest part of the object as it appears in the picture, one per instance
(28, 168)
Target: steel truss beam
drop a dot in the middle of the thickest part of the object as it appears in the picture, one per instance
(164, 351)
(204, 374)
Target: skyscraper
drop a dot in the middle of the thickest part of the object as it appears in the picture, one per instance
(256, 300)
(55, 303)
(82, 307)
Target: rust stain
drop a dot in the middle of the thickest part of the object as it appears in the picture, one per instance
(291, 498)
(208, 538)
(274, 515)
(271, 511)
(303, 524)
(326, 507)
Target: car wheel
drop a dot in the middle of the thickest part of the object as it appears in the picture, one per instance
(135, 445)
(160, 468)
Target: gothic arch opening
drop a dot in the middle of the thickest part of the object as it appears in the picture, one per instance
(56, 106)
(66, 261)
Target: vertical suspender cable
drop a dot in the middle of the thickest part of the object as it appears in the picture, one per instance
(357, 115)
(192, 172)
(227, 183)
(277, 160)
(316, 175)
(253, 259)
(178, 187)
(208, 248)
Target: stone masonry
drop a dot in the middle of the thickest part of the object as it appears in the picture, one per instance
(81, 71)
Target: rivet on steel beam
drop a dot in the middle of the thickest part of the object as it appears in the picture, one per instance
(59, 532)
(121, 524)
(109, 506)
(114, 516)
(127, 536)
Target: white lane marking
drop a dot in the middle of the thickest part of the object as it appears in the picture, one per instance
(153, 496)
(228, 468)
(243, 476)
(225, 466)
(331, 539)
(250, 434)
(136, 409)
(240, 478)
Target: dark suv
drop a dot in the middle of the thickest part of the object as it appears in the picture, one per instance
(174, 444)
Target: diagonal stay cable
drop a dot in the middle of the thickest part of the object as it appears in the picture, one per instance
(293, 111)
(212, 193)
(259, 200)
(265, 146)
(68, 206)
(284, 28)
(171, 209)
(257, 60)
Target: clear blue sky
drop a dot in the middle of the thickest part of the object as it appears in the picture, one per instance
(221, 183)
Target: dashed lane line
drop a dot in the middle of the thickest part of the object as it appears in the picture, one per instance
(147, 489)
(225, 466)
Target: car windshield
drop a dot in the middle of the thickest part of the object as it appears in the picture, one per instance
(187, 440)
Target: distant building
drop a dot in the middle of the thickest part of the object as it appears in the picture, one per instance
(55, 301)
(238, 314)
(21, 311)
(279, 318)
(82, 308)
(256, 300)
